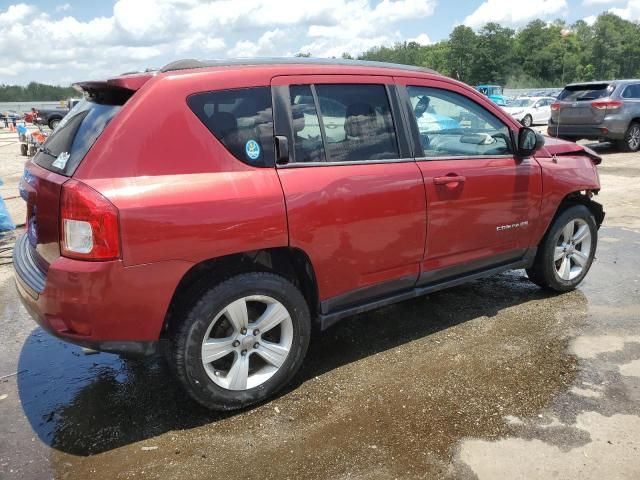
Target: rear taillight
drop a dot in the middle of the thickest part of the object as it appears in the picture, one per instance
(606, 104)
(555, 106)
(88, 224)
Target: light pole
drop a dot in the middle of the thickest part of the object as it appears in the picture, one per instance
(564, 33)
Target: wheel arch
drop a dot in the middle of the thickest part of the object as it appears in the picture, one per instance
(579, 197)
(291, 263)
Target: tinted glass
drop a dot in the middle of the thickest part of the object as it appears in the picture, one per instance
(631, 91)
(241, 119)
(75, 135)
(578, 93)
(307, 138)
(357, 122)
(452, 125)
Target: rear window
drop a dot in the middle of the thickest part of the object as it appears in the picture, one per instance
(578, 93)
(241, 119)
(63, 151)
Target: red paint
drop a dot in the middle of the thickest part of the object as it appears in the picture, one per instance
(359, 224)
(463, 217)
(182, 198)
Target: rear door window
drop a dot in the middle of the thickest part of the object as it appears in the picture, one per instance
(631, 91)
(63, 151)
(307, 137)
(578, 93)
(241, 119)
(357, 122)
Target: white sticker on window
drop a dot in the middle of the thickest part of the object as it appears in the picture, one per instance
(253, 149)
(61, 161)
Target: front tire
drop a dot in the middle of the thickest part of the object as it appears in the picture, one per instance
(567, 251)
(54, 123)
(527, 121)
(242, 341)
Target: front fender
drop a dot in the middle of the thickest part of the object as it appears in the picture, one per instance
(562, 176)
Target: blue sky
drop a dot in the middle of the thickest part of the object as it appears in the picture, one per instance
(58, 41)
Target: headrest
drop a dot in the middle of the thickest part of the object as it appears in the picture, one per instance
(360, 121)
(297, 117)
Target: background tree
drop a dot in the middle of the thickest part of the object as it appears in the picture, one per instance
(537, 55)
(462, 52)
(35, 92)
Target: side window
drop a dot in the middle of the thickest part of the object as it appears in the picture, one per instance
(631, 91)
(357, 122)
(307, 137)
(241, 119)
(452, 125)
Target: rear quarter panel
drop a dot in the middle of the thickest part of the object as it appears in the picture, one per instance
(181, 195)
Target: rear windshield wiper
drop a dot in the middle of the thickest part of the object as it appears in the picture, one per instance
(46, 151)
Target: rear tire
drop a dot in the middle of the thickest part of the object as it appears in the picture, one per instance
(54, 123)
(567, 251)
(248, 365)
(527, 121)
(631, 141)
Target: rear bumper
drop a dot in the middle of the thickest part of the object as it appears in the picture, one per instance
(100, 305)
(605, 130)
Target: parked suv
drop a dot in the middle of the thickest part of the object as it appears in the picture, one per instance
(261, 198)
(604, 111)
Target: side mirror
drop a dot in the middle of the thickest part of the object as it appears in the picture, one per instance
(529, 142)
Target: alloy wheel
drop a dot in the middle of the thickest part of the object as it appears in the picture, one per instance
(247, 342)
(573, 249)
(634, 138)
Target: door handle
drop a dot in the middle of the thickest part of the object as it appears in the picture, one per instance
(449, 179)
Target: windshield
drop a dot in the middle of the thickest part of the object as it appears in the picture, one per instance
(63, 151)
(521, 102)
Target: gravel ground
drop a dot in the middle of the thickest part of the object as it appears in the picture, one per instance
(493, 379)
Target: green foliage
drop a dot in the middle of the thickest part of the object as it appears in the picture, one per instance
(537, 55)
(35, 92)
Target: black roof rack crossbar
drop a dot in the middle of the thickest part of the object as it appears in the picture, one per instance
(188, 64)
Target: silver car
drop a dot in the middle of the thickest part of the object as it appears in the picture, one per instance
(605, 111)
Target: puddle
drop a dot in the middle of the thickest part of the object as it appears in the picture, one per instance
(598, 430)
(382, 395)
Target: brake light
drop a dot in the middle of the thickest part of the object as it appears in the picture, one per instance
(606, 104)
(555, 106)
(88, 224)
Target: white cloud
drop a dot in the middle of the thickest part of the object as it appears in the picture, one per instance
(422, 39)
(265, 46)
(148, 33)
(630, 12)
(598, 2)
(590, 20)
(510, 12)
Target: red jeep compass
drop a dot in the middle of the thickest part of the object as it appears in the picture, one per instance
(215, 211)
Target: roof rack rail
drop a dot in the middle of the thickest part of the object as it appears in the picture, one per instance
(188, 64)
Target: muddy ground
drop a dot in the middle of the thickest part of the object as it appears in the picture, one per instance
(493, 379)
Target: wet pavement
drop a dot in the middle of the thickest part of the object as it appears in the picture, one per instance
(493, 379)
